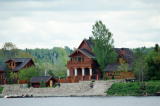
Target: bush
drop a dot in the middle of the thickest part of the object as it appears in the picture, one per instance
(124, 89)
(152, 87)
(27, 73)
(1, 89)
(42, 84)
(134, 88)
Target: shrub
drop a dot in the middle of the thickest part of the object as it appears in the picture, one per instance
(124, 89)
(134, 88)
(1, 89)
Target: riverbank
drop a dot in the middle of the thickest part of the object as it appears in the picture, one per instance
(149, 88)
(82, 88)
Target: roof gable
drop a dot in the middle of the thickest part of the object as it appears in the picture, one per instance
(85, 44)
(23, 62)
(84, 52)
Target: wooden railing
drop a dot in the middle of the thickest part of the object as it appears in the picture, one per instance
(78, 63)
(74, 79)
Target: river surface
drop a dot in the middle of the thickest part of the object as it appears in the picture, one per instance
(81, 101)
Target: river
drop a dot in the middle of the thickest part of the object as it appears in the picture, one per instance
(82, 101)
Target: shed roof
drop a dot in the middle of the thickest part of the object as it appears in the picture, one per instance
(39, 79)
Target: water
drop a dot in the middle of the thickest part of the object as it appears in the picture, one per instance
(81, 101)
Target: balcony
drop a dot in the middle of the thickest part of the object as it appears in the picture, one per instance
(87, 63)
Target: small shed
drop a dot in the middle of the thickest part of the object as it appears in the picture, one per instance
(45, 81)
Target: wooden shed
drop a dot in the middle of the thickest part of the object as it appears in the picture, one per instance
(37, 82)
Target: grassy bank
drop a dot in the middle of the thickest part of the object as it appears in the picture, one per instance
(1, 89)
(134, 88)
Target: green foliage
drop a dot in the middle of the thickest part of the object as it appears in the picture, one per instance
(140, 66)
(28, 73)
(57, 55)
(1, 89)
(123, 67)
(103, 45)
(51, 69)
(9, 50)
(58, 71)
(42, 84)
(134, 88)
(124, 89)
(152, 87)
(153, 62)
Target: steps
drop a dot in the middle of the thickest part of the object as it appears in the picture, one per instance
(66, 89)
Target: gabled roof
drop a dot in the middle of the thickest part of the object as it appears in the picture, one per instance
(19, 59)
(3, 66)
(22, 61)
(88, 42)
(85, 52)
(40, 79)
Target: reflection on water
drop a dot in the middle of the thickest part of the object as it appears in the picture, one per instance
(81, 101)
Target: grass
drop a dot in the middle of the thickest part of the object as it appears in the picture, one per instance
(134, 88)
(1, 89)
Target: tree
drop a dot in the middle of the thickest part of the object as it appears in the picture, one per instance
(58, 71)
(153, 62)
(9, 50)
(123, 67)
(103, 45)
(13, 77)
(28, 73)
(140, 66)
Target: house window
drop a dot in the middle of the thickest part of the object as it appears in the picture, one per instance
(80, 59)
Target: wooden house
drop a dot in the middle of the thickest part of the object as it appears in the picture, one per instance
(14, 65)
(48, 81)
(122, 68)
(82, 64)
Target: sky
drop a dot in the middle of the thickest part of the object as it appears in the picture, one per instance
(59, 23)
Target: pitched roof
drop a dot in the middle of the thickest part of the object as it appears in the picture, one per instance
(89, 42)
(39, 79)
(87, 53)
(3, 67)
(115, 67)
(22, 61)
(128, 56)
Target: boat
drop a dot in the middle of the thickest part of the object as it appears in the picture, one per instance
(17, 96)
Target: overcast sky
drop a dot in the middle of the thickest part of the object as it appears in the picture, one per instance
(52, 23)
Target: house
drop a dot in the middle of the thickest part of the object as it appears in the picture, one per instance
(122, 68)
(83, 65)
(48, 81)
(14, 65)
